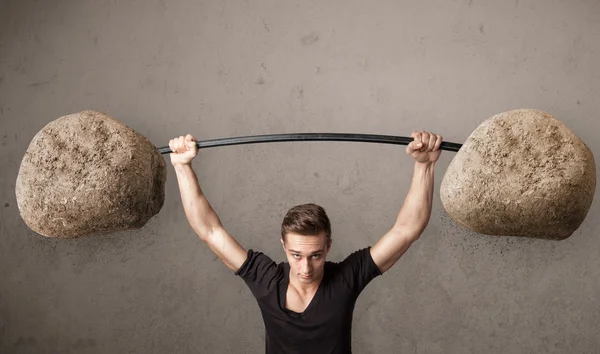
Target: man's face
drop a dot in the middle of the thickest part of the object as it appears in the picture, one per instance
(306, 255)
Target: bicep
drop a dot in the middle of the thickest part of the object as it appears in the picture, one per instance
(227, 248)
(390, 248)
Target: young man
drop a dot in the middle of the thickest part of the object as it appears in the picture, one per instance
(307, 302)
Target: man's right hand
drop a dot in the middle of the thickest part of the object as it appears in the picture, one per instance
(183, 149)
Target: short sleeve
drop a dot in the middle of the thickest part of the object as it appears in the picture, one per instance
(358, 269)
(259, 272)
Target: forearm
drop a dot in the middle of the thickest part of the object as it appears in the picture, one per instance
(416, 210)
(201, 216)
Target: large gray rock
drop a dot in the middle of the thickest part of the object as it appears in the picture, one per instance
(521, 173)
(86, 174)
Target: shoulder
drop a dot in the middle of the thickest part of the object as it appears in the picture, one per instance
(259, 266)
(350, 260)
(362, 255)
(356, 270)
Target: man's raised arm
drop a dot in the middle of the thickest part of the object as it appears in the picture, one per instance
(416, 210)
(201, 216)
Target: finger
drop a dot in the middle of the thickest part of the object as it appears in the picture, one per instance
(177, 145)
(425, 140)
(417, 138)
(181, 144)
(174, 145)
(438, 142)
(190, 142)
(432, 140)
(171, 146)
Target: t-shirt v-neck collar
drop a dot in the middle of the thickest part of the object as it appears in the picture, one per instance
(283, 287)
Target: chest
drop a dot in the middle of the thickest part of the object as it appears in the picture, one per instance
(298, 301)
(327, 302)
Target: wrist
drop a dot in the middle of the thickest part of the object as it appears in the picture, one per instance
(426, 164)
(182, 166)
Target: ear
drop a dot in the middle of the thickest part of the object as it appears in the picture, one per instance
(329, 242)
(282, 243)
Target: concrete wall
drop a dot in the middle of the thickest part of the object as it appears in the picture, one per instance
(228, 68)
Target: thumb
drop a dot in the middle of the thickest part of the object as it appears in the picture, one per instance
(414, 146)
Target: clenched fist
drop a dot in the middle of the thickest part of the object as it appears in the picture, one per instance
(425, 147)
(183, 149)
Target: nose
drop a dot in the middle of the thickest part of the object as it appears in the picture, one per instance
(306, 267)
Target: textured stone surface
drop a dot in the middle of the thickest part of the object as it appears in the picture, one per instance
(87, 173)
(521, 173)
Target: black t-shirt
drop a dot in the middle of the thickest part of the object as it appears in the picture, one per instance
(325, 326)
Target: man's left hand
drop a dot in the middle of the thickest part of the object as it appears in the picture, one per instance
(425, 147)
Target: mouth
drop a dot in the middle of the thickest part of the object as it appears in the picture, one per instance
(305, 276)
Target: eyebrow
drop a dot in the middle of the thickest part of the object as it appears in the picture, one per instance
(315, 252)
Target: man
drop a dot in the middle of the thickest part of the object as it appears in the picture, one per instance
(307, 302)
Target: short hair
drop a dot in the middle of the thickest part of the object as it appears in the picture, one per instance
(306, 219)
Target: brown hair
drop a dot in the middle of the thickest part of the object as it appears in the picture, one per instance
(306, 219)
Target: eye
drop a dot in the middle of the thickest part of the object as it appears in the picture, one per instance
(297, 256)
(316, 256)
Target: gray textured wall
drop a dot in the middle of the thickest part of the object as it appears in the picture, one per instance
(228, 68)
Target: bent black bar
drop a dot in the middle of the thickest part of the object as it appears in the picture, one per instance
(274, 138)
